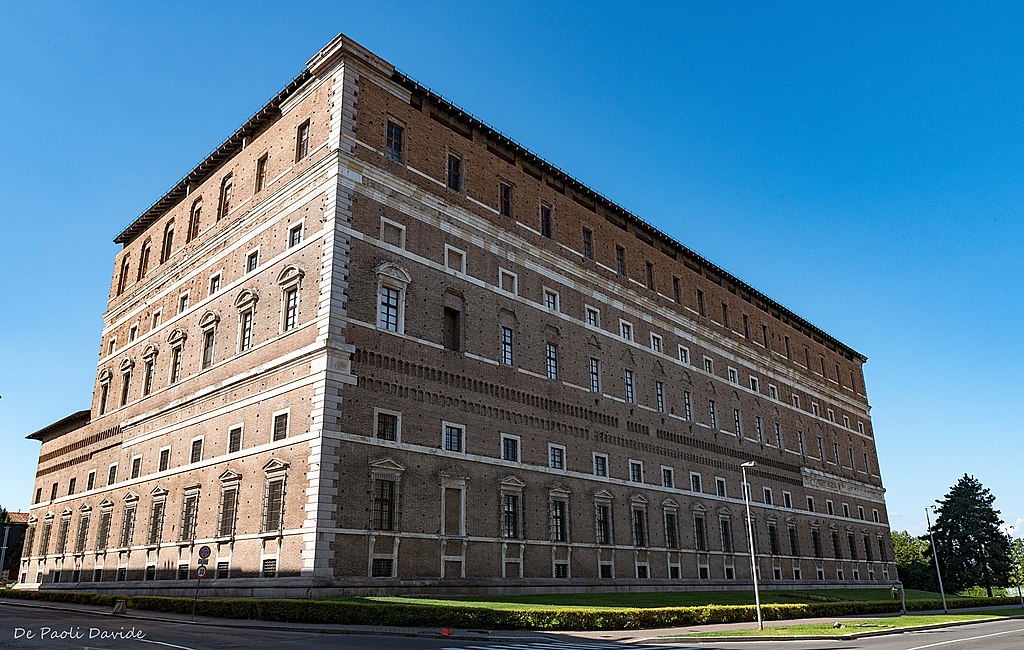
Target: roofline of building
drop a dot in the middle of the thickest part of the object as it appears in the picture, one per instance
(76, 420)
(342, 43)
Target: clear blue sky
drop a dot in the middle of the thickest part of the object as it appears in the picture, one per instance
(861, 164)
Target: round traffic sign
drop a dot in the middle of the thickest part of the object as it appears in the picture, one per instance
(201, 572)
(204, 552)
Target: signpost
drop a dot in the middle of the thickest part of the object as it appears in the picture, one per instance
(204, 559)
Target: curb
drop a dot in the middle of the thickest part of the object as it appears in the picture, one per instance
(426, 633)
(824, 637)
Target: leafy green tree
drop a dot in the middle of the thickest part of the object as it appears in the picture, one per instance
(972, 547)
(912, 560)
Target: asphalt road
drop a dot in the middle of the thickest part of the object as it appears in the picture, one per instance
(30, 627)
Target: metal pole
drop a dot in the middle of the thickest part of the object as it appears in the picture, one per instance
(935, 556)
(750, 538)
(3, 550)
(195, 598)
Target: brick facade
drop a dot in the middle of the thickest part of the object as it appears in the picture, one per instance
(452, 367)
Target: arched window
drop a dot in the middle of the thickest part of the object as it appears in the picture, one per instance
(392, 281)
(224, 203)
(193, 220)
(165, 250)
(144, 259)
(290, 280)
(122, 278)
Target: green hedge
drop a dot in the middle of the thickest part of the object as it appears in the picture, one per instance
(418, 615)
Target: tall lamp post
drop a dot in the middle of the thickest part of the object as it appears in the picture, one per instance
(1020, 570)
(935, 556)
(750, 538)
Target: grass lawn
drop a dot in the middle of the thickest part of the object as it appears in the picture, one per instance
(853, 626)
(656, 599)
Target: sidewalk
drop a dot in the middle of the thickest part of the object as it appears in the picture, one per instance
(620, 636)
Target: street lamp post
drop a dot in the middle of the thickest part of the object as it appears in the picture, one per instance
(750, 538)
(935, 556)
(1020, 571)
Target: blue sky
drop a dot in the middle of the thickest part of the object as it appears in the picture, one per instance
(860, 163)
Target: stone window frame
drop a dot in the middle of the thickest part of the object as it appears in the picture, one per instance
(274, 471)
(385, 469)
(377, 412)
(209, 323)
(230, 481)
(453, 254)
(511, 486)
(394, 277)
(245, 303)
(156, 528)
(519, 447)
(176, 339)
(187, 537)
(290, 279)
(607, 500)
(561, 534)
(638, 505)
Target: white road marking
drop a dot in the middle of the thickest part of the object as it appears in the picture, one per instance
(169, 645)
(973, 638)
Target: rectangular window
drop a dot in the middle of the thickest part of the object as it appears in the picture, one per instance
(269, 568)
(291, 309)
(112, 474)
(510, 448)
(639, 527)
(90, 483)
(767, 496)
(778, 435)
(773, 539)
(147, 377)
(551, 299)
(214, 284)
(629, 389)
(453, 437)
(588, 244)
(620, 261)
(245, 330)
(393, 145)
(702, 308)
(649, 275)
(595, 375)
(252, 260)
(659, 396)
(389, 301)
(454, 172)
(709, 365)
(603, 523)
(175, 364)
(593, 317)
(72, 481)
(725, 526)
(677, 290)
(600, 465)
(387, 426)
(234, 439)
(720, 486)
(559, 521)
(759, 428)
(636, 471)
(228, 507)
(196, 452)
(737, 423)
(671, 530)
(734, 376)
(787, 499)
(128, 527)
(684, 355)
(302, 141)
(505, 199)
(280, 431)
(223, 570)
(164, 461)
(773, 392)
(208, 344)
(556, 457)
(668, 478)
(766, 337)
(295, 235)
(695, 483)
(551, 360)
(392, 233)
(713, 414)
(261, 173)
(126, 382)
(700, 533)
(754, 385)
(506, 346)
(510, 516)
(136, 467)
(725, 315)
(546, 224)
(800, 442)
(103, 530)
(273, 509)
(383, 504)
(156, 523)
(655, 342)
(626, 330)
(794, 541)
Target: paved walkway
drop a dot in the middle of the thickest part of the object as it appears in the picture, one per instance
(621, 636)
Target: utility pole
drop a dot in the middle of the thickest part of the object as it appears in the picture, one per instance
(935, 556)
